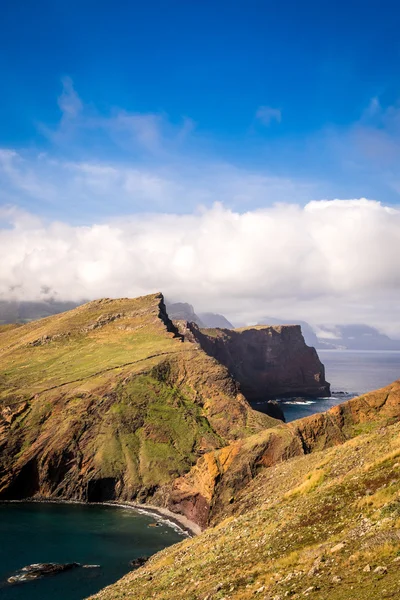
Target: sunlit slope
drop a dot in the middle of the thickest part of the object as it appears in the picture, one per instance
(106, 401)
(323, 525)
(80, 343)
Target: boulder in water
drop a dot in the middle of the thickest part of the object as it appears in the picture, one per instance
(37, 570)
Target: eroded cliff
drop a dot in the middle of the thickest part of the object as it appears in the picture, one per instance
(109, 402)
(213, 487)
(267, 361)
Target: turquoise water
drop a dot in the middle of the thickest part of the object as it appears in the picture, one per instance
(108, 536)
(350, 373)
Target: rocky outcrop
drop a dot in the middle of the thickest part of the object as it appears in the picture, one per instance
(306, 329)
(38, 570)
(139, 562)
(267, 361)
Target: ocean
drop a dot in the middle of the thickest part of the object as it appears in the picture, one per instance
(97, 535)
(350, 373)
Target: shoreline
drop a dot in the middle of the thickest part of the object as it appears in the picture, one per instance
(188, 527)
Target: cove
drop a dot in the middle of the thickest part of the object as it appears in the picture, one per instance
(64, 533)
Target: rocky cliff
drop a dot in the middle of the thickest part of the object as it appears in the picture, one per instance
(211, 488)
(108, 402)
(113, 401)
(267, 361)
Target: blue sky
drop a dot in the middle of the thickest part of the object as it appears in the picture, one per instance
(281, 90)
(242, 155)
(320, 62)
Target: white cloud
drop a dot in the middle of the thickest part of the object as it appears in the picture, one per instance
(327, 332)
(329, 261)
(267, 114)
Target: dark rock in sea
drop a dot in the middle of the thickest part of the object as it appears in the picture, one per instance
(271, 408)
(38, 570)
(139, 562)
(275, 410)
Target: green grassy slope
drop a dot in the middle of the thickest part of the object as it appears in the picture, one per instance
(321, 525)
(106, 401)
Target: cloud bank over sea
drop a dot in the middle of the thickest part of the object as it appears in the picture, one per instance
(337, 260)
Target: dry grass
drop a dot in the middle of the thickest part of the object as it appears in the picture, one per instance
(312, 481)
(286, 522)
(109, 385)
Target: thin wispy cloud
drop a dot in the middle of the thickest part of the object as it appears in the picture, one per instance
(69, 102)
(373, 142)
(83, 126)
(363, 157)
(89, 189)
(267, 115)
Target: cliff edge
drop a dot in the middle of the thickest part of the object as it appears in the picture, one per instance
(267, 361)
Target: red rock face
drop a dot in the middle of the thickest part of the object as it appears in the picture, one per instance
(211, 490)
(267, 361)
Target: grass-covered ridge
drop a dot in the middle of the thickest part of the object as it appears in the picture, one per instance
(82, 343)
(321, 525)
(107, 401)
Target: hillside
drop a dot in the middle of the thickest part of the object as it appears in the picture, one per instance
(183, 311)
(114, 401)
(107, 401)
(322, 523)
